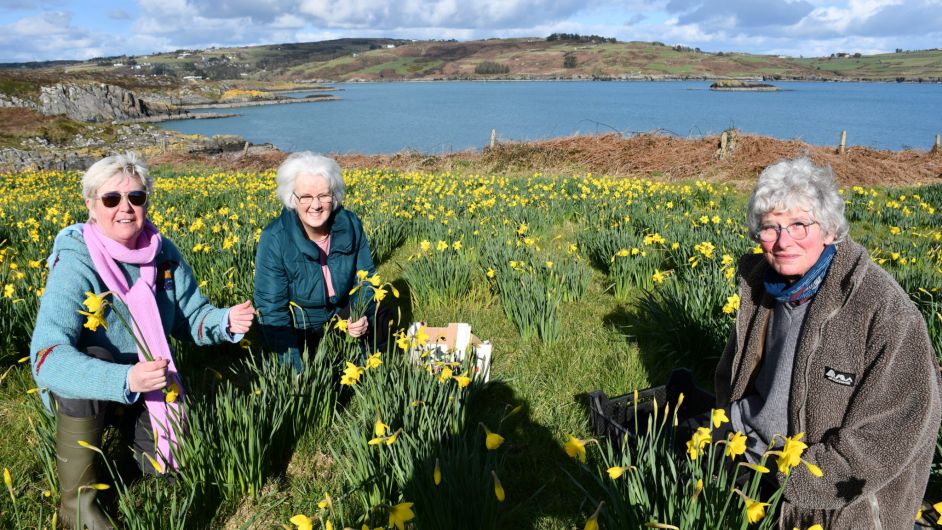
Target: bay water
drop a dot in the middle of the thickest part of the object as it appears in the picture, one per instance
(437, 117)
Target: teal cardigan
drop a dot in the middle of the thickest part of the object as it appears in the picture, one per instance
(288, 269)
(57, 363)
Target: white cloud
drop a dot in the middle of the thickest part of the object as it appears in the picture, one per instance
(795, 27)
(44, 36)
(481, 14)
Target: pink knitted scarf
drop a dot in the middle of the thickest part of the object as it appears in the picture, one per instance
(165, 418)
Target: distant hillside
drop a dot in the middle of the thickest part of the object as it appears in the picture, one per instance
(562, 57)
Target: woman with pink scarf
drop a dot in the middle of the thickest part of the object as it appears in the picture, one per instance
(113, 271)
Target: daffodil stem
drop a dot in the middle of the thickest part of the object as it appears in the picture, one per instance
(138, 341)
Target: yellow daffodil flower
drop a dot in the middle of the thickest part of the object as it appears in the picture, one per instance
(755, 467)
(374, 361)
(8, 480)
(718, 417)
(498, 488)
(732, 304)
(492, 440)
(158, 467)
(592, 523)
(380, 428)
(94, 319)
(437, 473)
(755, 511)
(393, 437)
(351, 374)
(736, 445)
(94, 302)
(575, 447)
(790, 455)
(616, 472)
(326, 502)
(445, 374)
(697, 442)
(400, 514)
(302, 522)
(173, 392)
(421, 337)
(813, 469)
(378, 294)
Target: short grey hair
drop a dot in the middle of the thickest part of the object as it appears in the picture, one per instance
(129, 163)
(315, 164)
(798, 183)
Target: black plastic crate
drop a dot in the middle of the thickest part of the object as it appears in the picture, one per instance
(614, 418)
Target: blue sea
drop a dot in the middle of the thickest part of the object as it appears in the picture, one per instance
(436, 117)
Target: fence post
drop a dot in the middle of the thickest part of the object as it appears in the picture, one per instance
(245, 149)
(493, 138)
(840, 148)
(936, 148)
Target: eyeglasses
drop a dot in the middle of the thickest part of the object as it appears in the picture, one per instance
(113, 198)
(304, 200)
(797, 231)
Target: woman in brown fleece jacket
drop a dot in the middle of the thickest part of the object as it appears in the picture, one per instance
(826, 343)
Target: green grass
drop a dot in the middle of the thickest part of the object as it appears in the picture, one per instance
(18, 88)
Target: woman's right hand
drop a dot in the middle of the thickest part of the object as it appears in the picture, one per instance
(147, 376)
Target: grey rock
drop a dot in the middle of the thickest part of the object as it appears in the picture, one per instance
(18, 160)
(99, 102)
(13, 101)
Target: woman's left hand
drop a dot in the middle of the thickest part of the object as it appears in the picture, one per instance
(358, 328)
(240, 317)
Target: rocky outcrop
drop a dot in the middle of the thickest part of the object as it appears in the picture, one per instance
(38, 153)
(100, 103)
(20, 160)
(81, 152)
(13, 101)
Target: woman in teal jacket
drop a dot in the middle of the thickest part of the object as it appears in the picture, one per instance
(89, 367)
(307, 260)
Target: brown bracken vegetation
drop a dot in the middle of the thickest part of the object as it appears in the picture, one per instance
(651, 155)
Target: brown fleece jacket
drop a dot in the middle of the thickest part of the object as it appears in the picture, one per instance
(865, 391)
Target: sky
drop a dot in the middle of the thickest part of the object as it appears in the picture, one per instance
(39, 30)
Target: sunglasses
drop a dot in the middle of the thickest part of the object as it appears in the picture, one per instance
(113, 198)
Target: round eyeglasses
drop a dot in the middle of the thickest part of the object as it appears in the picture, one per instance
(797, 231)
(113, 198)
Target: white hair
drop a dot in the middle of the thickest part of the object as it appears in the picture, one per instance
(798, 183)
(314, 164)
(129, 163)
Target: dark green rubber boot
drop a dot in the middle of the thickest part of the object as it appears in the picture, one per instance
(76, 466)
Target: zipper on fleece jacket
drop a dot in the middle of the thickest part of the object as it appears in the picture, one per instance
(875, 511)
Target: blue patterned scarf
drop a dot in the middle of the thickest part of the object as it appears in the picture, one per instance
(802, 290)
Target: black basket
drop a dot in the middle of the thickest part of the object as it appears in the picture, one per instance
(614, 418)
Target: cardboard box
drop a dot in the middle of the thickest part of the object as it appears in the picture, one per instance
(452, 344)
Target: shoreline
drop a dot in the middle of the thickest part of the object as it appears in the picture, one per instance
(647, 155)
(261, 103)
(632, 79)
